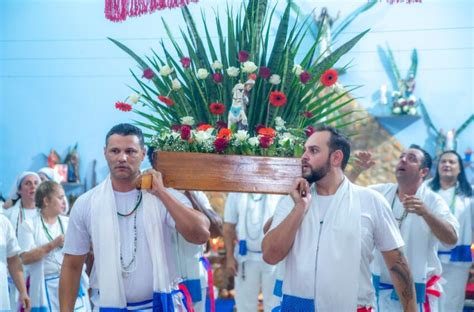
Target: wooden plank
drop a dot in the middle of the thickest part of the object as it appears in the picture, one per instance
(227, 173)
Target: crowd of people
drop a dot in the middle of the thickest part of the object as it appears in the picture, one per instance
(330, 245)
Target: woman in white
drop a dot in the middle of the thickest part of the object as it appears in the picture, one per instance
(41, 239)
(451, 183)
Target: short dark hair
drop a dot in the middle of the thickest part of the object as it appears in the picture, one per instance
(337, 141)
(427, 160)
(464, 187)
(126, 129)
(45, 189)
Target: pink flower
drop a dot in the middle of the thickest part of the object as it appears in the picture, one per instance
(309, 131)
(243, 56)
(265, 141)
(186, 62)
(264, 72)
(185, 132)
(220, 144)
(217, 77)
(305, 77)
(148, 73)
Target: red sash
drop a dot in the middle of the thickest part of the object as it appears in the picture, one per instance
(430, 291)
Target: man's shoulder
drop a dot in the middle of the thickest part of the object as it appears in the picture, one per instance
(371, 200)
(83, 202)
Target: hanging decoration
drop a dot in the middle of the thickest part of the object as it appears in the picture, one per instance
(119, 10)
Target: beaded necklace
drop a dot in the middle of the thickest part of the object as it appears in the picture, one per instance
(139, 201)
(405, 212)
(45, 228)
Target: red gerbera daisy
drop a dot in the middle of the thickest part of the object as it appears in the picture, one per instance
(277, 98)
(166, 100)
(329, 77)
(217, 108)
(124, 107)
(203, 127)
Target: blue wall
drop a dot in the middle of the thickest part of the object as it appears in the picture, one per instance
(60, 76)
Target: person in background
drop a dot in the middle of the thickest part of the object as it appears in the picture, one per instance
(11, 262)
(23, 209)
(41, 240)
(451, 183)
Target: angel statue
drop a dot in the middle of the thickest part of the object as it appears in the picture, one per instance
(240, 94)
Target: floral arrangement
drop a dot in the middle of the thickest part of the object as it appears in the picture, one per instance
(236, 95)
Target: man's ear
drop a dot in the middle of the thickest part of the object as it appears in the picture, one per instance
(424, 172)
(336, 158)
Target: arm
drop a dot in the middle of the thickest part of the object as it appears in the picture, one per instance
(267, 225)
(402, 279)
(215, 220)
(193, 225)
(442, 229)
(71, 271)
(16, 272)
(36, 254)
(362, 161)
(278, 242)
(230, 237)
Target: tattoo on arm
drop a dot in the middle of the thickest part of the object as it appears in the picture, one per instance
(402, 271)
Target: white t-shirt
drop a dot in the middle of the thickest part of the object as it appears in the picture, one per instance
(378, 230)
(17, 214)
(32, 235)
(139, 283)
(8, 243)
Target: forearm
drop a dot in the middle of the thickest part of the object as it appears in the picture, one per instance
(16, 272)
(278, 242)
(36, 254)
(401, 278)
(443, 231)
(230, 236)
(192, 224)
(69, 282)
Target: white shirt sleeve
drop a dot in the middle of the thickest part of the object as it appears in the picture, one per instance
(165, 215)
(202, 199)
(26, 238)
(12, 243)
(283, 209)
(231, 210)
(78, 239)
(440, 209)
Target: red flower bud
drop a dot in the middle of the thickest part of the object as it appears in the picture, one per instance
(243, 56)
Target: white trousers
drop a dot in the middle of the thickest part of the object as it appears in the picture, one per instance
(454, 290)
(387, 304)
(255, 276)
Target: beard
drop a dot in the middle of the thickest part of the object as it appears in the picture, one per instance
(317, 174)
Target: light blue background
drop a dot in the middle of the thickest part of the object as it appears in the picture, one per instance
(60, 76)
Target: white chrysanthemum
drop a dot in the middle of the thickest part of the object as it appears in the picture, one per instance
(297, 69)
(202, 136)
(202, 73)
(233, 71)
(134, 97)
(249, 67)
(254, 141)
(176, 85)
(412, 111)
(396, 110)
(275, 79)
(187, 120)
(241, 135)
(166, 71)
(216, 65)
(279, 122)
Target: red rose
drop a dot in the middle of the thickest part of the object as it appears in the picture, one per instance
(176, 128)
(277, 98)
(305, 77)
(258, 127)
(217, 77)
(265, 141)
(148, 73)
(217, 108)
(329, 77)
(166, 100)
(264, 72)
(186, 62)
(185, 132)
(309, 131)
(307, 114)
(220, 144)
(124, 107)
(243, 56)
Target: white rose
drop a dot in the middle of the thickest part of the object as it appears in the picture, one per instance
(233, 71)
(279, 122)
(241, 135)
(412, 98)
(412, 111)
(396, 110)
(187, 120)
(134, 97)
(176, 85)
(216, 65)
(202, 73)
(297, 69)
(166, 71)
(254, 141)
(202, 136)
(275, 79)
(249, 67)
